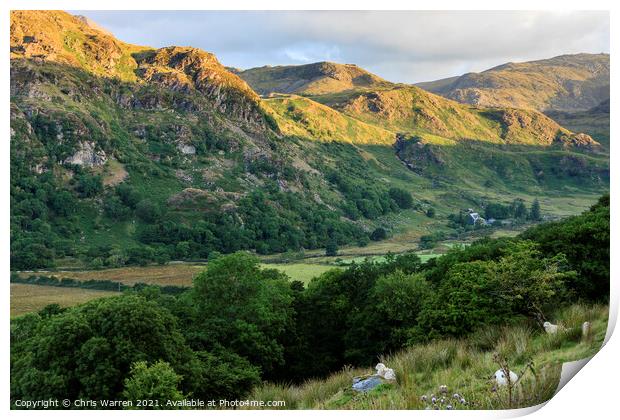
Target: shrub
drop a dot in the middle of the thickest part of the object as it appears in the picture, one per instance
(401, 197)
(378, 234)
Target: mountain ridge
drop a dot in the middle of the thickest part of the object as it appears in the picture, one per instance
(132, 154)
(315, 78)
(570, 82)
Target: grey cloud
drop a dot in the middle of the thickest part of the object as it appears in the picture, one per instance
(406, 46)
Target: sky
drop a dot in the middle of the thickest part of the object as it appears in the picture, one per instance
(407, 47)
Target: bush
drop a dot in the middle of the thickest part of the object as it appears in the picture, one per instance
(401, 197)
(149, 211)
(331, 249)
(157, 382)
(88, 185)
(379, 234)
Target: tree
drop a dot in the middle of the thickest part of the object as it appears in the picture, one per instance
(428, 241)
(243, 308)
(520, 211)
(466, 299)
(28, 255)
(140, 255)
(89, 185)
(401, 197)
(222, 374)
(157, 382)
(149, 211)
(87, 351)
(63, 203)
(535, 210)
(115, 209)
(397, 300)
(530, 284)
(378, 234)
(584, 240)
(331, 249)
(128, 195)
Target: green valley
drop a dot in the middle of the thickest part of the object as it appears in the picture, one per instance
(181, 229)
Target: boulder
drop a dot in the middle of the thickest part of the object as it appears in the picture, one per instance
(367, 384)
(382, 376)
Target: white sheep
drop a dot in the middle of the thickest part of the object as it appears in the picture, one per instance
(380, 368)
(501, 379)
(389, 374)
(550, 328)
(385, 372)
(585, 329)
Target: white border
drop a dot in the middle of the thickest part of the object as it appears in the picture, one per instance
(591, 394)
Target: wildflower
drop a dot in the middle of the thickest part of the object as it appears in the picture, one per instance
(423, 397)
(463, 401)
(456, 396)
(449, 407)
(443, 389)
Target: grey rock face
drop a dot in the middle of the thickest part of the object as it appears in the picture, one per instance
(365, 385)
(187, 149)
(87, 155)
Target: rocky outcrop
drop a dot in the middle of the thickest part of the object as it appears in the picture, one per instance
(87, 155)
(383, 375)
(190, 69)
(417, 155)
(60, 37)
(578, 141)
(519, 125)
(186, 149)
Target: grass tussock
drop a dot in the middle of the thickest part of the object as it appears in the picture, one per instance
(465, 366)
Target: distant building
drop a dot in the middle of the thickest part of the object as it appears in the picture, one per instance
(475, 219)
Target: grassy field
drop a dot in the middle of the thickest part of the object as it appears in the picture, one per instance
(30, 298)
(162, 275)
(465, 366)
(301, 271)
(313, 263)
(176, 274)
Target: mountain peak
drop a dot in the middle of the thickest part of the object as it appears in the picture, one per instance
(314, 78)
(59, 37)
(92, 24)
(571, 82)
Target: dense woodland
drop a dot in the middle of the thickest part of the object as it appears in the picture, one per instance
(240, 324)
(46, 222)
